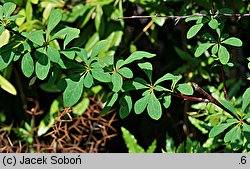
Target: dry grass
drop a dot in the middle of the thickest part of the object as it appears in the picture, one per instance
(86, 133)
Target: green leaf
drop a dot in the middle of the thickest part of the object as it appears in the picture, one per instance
(233, 42)
(138, 55)
(246, 131)
(68, 34)
(34, 1)
(131, 142)
(92, 41)
(189, 147)
(53, 54)
(166, 101)
(193, 18)
(88, 80)
(141, 104)
(199, 124)
(54, 19)
(1, 12)
(213, 23)
(81, 107)
(215, 49)
(35, 36)
(185, 89)
(146, 92)
(184, 55)
(73, 91)
(208, 36)
(202, 48)
(27, 65)
(69, 53)
(229, 106)
(234, 136)
(174, 81)
(2, 28)
(119, 64)
(147, 68)
(245, 99)
(224, 36)
(167, 76)
(170, 147)
(109, 104)
(219, 129)
(159, 88)
(152, 147)
(125, 106)
(4, 38)
(226, 11)
(138, 84)
(194, 30)
(101, 76)
(6, 57)
(49, 119)
(154, 107)
(230, 64)
(14, 17)
(117, 82)
(83, 55)
(230, 134)
(99, 46)
(106, 60)
(98, 17)
(223, 55)
(28, 11)
(247, 117)
(96, 89)
(97, 65)
(8, 9)
(7, 86)
(100, 2)
(180, 148)
(32, 80)
(126, 72)
(42, 65)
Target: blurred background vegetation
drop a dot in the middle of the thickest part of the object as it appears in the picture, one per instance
(36, 121)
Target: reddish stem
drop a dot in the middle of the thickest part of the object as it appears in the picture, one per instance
(224, 82)
(212, 7)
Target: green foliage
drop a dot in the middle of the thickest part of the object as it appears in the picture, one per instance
(7, 86)
(188, 146)
(70, 61)
(48, 121)
(27, 65)
(194, 30)
(133, 146)
(215, 24)
(246, 99)
(202, 48)
(185, 89)
(125, 105)
(26, 133)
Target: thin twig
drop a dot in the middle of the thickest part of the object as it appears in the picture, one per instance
(208, 99)
(215, 101)
(212, 99)
(20, 87)
(212, 6)
(191, 98)
(15, 32)
(143, 31)
(177, 17)
(224, 82)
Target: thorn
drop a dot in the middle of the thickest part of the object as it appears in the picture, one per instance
(176, 21)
